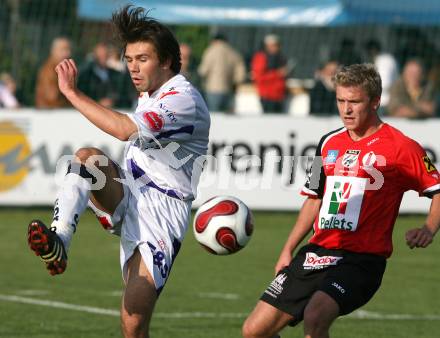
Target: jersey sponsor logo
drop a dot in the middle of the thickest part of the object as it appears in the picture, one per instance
(339, 198)
(276, 287)
(350, 158)
(169, 113)
(154, 121)
(341, 203)
(373, 141)
(428, 164)
(369, 159)
(332, 156)
(315, 262)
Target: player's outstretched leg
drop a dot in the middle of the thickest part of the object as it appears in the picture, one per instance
(319, 314)
(265, 321)
(45, 243)
(53, 244)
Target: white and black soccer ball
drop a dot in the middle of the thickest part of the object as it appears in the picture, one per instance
(223, 225)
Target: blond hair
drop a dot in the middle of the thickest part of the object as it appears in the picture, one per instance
(363, 75)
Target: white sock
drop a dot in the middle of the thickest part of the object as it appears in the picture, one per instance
(70, 204)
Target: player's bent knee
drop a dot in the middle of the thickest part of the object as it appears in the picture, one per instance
(251, 329)
(83, 154)
(247, 329)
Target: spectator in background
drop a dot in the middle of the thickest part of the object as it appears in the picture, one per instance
(323, 95)
(114, 60)
(386, 65)
(127, 94)
(347, 53)
(415, 42)
(188, 68)
(434, 78)
(47, 93)
(410, 95)
(97, 80)
(269, 71)
(8, 88)
(221, 69)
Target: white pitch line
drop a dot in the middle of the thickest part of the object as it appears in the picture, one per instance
(117, 293)
(218, 295)
(359, 314)
(59, 305)
(214, 315)
(28, 292)
(362, 314)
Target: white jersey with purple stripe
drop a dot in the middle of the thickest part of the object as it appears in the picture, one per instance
(173, 125)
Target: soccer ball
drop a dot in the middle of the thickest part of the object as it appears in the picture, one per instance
(223, 225)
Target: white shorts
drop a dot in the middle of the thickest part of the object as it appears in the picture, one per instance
(153, 222)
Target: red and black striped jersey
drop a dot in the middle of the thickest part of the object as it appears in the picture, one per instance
(361, 184)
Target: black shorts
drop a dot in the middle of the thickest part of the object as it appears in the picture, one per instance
(351, 279)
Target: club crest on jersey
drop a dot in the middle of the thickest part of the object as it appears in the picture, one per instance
(315, 262)
(428, 164)
(369, 159)
(332, 156)
(350, 158)
(154, 121)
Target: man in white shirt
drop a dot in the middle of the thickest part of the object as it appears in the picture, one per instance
(386, 65)
(149, 203)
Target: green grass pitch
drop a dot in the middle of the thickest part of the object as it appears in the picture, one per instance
(206, 296)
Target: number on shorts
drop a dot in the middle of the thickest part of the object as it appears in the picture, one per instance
(159, 260)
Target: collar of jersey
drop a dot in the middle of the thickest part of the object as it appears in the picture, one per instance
(161, 88)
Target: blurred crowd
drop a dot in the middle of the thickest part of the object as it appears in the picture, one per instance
(103, 77)
(410, 90)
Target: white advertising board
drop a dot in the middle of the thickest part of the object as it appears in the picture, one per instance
(256, 158)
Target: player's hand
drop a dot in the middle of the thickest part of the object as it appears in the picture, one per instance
(283, 261)
(419, 237)
(67, 74)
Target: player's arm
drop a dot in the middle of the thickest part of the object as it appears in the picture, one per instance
(114, 123)
(303, 225)
(314, 190)
(418, 173)
(423, 236)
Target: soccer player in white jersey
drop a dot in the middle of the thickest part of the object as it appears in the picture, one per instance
(148, 204)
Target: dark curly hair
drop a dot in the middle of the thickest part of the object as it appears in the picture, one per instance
(132, 24)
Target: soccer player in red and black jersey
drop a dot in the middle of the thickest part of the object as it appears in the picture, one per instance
(354, 190)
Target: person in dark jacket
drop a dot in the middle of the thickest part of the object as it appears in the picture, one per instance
(97, 80)
(322, 95)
